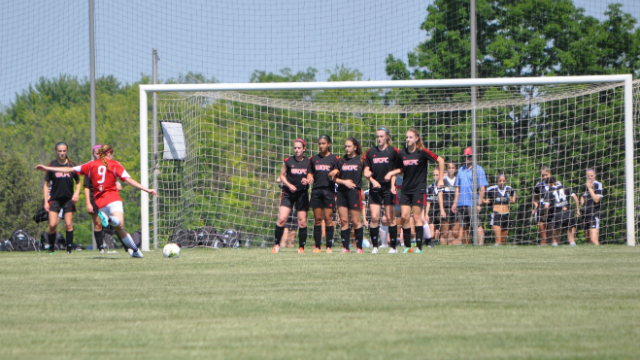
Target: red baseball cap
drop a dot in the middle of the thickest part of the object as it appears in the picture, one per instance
(468, 151)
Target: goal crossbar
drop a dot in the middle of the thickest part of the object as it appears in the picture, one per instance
(626, 79)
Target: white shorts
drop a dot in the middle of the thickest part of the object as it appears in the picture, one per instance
(115, 206)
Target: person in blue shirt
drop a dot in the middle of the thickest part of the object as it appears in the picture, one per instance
(463, 199)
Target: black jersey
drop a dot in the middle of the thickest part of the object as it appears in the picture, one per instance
(296, 171)
(321, 166)
(61, 183)
(449, 191)
(558, 197)
(381, 162)
(590, 206)
(350, 169)
(500, 197)
(88, 185)
(541, 190)
(414, 167)
(432, 193)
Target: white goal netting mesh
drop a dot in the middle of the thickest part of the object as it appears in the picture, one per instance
(236, 142)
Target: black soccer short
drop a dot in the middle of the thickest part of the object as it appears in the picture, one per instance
(540, 216)
(419, 199)
(501, 220)
(451, 217)
(323, 198)
(381, 196)
(463, 216)
(350, 198)
(562, 219)
(591, 221)
(434, 217)
(299, 199)
(62, 204)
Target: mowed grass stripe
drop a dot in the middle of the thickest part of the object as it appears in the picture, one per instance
(460, 302)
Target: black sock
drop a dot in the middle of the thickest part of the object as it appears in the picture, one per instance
(374, 232)
(279, 233)
(393, 236)
(52, 242)
(345, 235)
(419, 234)
(406, 234)
(317, 235)
(99, 236)
(359, 236)
(329, 230)
(69, 238)
(302, 236)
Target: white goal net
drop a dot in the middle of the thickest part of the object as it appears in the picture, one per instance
(235, 142)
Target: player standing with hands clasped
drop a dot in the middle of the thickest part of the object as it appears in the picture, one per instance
(590, 200)
(61, 198)
(323, 198)
(348, 176)
(500, 196)
(379, 161)
(412, 162)
(103, 173)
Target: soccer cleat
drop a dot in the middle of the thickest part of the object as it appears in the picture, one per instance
(417, 251)
(572, 244)
(329, 251)
(554, 244)
(52, 252)
(317, 250)
(137, 254)
(101, 251)
(407, 250)
(393, 251)
(359, 251)
(345, 251)
(276, 249)
(130, 251)
(103, 217)
(301, 250)
(374, 251)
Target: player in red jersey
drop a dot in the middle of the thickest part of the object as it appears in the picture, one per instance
(295, 177)
(103, 173)
(412, 162)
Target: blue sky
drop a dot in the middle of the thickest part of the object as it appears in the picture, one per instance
(225, 39)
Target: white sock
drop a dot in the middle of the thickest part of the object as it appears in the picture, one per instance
(114, 220)
(382, 234)
(426, 231)
(129, 242)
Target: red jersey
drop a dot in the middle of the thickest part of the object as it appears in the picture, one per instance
(103, 180)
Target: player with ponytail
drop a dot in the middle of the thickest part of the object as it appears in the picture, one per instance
(412, 162)
(103, 173)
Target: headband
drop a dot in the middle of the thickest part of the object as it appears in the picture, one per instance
(96, 147)
(383, 129)
(300, 140)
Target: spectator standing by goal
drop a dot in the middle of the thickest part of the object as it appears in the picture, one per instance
(464, 198)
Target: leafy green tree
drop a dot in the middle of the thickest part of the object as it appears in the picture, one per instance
(521, 38)
(20, 195)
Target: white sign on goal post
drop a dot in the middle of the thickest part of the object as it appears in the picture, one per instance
(145, 90)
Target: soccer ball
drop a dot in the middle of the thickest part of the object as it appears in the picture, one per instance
(171, 250)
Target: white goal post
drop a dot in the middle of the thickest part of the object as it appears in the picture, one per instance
(145, 90)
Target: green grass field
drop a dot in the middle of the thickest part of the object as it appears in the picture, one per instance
(458, 302)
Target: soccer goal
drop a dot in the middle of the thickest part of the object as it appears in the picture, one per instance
(219, 147)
